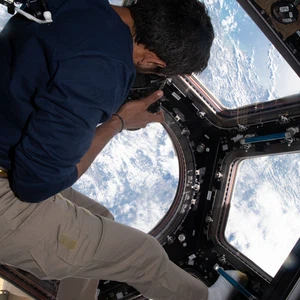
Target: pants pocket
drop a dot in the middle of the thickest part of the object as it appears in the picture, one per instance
(63, 253)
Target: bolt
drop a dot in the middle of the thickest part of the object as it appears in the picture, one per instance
(200, 148)
(181, 237)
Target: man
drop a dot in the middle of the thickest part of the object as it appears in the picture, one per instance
(58, 83)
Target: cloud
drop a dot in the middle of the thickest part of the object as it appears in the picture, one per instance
(229, 23)
(135, 176)
(264, 219)
(244, 67)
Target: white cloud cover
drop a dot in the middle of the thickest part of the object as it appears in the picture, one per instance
(135, 176)
(244, 66)
(264, 220)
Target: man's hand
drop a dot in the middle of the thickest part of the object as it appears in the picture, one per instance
(135, 114)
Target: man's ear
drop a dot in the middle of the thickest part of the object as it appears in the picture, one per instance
(150, 60)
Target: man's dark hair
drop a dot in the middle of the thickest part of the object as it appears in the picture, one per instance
(179, 32)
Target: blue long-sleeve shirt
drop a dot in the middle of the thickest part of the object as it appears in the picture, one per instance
(57, 83)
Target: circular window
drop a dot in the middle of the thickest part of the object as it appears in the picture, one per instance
(135, 176)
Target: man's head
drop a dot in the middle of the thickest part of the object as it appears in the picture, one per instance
(175, 36)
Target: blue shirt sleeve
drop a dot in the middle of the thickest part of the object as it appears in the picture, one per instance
(83, 92)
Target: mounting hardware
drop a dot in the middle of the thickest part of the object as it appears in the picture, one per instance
(201, 114)
(222, 259)
(200, 148)
(242, 128)
(237, 138)
(287, 136)
(246, 147)
(196, 187)
(170, 240)
(219, 175)
(181, 237)
(208, 219)
(185, 131)
(284, 120)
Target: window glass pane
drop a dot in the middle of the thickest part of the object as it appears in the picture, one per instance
(244, 66)
(135, 177)
(264, 218)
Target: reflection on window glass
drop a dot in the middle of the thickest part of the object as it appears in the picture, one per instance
(244, 66)
(135, 177)
(264, 218)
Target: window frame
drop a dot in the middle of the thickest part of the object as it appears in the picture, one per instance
(220, 213)
(257, 113)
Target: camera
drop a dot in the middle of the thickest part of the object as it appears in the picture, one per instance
(144, 85)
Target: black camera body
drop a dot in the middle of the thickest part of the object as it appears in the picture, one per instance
(144, 85)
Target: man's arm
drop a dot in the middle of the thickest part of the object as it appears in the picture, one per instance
(134, 115)
(83, 91)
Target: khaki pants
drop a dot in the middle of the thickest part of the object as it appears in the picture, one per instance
(60, 238)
